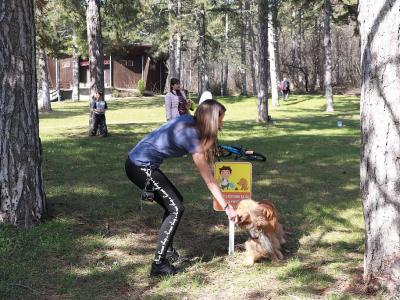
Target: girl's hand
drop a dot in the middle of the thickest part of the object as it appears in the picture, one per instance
(231, 213)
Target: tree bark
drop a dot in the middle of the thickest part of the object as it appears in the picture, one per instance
(171, 48)
(272, 57)
(75, 68)
(337, 70)
(253, 50)
(293, 48)
(380, 140)
(262, 107)
(316, 55)
(243, 79)
(299, 50)
(202, 51)
(328, 55)
(96, 58)
(276, 39)
(44, 80)
(22, 198)
(226, 61)
(178, 50)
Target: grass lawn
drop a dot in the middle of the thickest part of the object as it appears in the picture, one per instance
(97, 243)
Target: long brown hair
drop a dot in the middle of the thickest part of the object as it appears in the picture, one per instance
(207, 118)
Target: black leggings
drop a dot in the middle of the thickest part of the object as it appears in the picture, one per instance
(166, 195)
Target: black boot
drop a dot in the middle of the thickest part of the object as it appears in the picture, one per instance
(162, 268)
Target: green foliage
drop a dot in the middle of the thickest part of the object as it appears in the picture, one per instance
(141, 86)
(56, 23)
(120, 22)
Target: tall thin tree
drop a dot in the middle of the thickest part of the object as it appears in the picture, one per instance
(380, 141)
(201, 23)
(22, 198)
(272, 53)
(171, 44)
(225, 63)
(328, 55)
(262, 106)
(42, 41)
(96, 58)
(178, 43)
(45, 103)
(243, 64)
(75, 67)
(252, 49)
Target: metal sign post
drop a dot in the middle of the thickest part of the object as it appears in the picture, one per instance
(231, 248)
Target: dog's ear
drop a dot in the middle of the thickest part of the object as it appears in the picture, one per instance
(266, 216)
(267, 212)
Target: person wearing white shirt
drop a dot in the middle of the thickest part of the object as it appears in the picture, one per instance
(175, 101)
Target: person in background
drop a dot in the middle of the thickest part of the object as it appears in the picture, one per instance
(206, 95)
(280, 90)
(176, 103)
(185, 134)
(285, 88)
(99, 107)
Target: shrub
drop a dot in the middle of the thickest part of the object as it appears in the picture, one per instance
(141, 86)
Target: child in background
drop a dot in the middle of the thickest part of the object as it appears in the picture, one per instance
(99, 107)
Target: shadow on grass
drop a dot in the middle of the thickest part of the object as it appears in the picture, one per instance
(65, 113)
(73, 109)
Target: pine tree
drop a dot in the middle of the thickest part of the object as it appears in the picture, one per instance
(22, 200)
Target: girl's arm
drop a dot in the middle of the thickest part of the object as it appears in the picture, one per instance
(205, 172)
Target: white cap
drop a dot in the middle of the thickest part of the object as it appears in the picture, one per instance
(205, 96)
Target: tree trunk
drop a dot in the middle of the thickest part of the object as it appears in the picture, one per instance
(178, 52)
(272, 58)
(226, 64)
(243, 83)
(299, 49)
(96, 58)
(316, 56)
(252, 47)
(262, 107)
(171, 48)
(276, 39)
(22, 198)
(44, 80)
(293, 48)
(380, 144)
(58, 81)
(328, 56)
(337, 71)
(75, 68)
(202, 51)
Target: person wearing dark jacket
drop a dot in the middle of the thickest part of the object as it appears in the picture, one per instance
(99, 107)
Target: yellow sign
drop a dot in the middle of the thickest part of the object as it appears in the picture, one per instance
(235, 181)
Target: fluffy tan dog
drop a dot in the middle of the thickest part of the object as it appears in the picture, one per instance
(266, 234)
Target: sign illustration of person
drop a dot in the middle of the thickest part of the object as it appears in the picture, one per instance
(225, 172)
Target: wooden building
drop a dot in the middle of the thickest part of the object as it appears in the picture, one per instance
(122, 70)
